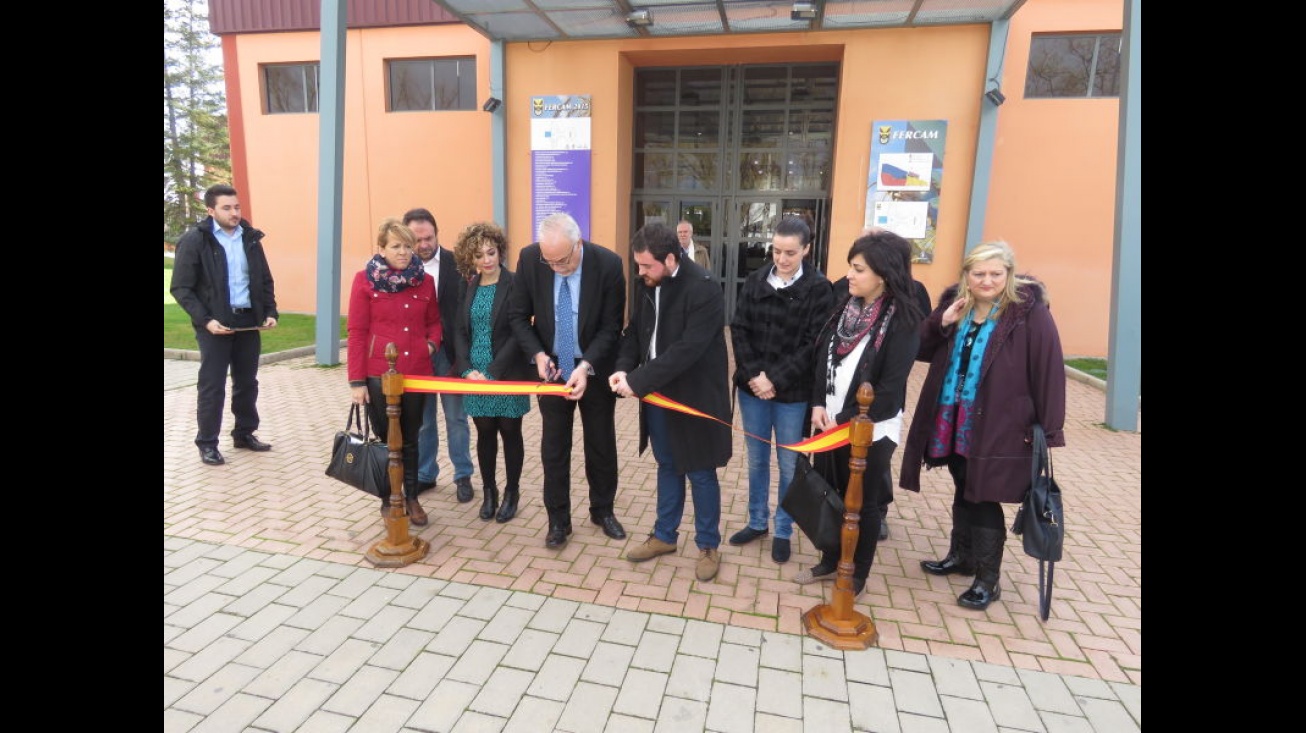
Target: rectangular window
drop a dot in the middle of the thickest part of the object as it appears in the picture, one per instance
(290, 88)
(1073, 65)
(433, 84)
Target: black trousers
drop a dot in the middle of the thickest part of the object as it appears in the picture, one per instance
(410, 422)
(237, 353)
(488, 432)
(598, 426)
(877, 491)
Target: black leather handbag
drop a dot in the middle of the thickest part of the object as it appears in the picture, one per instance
(1040, 521)
(816, 507)
(358, 457)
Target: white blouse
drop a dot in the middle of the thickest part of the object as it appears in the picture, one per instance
(843, 379)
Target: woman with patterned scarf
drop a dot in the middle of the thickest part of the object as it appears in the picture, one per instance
(996, 369)
(871, 336)
(393, 300)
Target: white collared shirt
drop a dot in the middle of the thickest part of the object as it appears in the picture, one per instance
(774, 280)
(843, 381)
(657, 315)
(432, 268)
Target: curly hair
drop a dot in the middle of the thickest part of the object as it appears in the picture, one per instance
(472, 239)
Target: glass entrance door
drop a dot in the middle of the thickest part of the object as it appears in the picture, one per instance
(733, 149)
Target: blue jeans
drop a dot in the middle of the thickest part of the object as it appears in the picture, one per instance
(761, 418)
(455, 425)
(671, 490)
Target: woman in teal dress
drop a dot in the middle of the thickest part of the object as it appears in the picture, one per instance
(487, 350)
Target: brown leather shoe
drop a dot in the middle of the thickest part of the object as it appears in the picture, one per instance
(649, 549)
(416, 514)
(709, 561)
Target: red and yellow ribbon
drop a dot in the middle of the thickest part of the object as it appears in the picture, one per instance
(453, 385)
(828, 440)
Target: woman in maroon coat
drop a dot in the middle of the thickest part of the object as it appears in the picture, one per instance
(393, 300)
(996, 369)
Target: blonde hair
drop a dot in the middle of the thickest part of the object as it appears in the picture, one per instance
(984, 252)
(474, 237)
(394, 225)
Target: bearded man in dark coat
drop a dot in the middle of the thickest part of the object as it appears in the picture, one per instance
(675, 345)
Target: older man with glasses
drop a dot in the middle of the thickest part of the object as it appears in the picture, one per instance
(567, 309)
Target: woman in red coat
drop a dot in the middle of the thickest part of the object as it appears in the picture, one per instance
(393, 300)
(996, 369)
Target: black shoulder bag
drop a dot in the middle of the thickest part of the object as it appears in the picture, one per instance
(815, 505)
(1040, 521)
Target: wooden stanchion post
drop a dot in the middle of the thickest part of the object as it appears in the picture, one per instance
(837, 624)
(398, 548)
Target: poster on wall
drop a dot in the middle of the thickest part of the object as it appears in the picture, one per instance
(902, 187)
(560, 158)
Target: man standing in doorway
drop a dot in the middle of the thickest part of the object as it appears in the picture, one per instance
(439, 264)
(693, 252)
(675, 345)
(221, 279)
(566, 309)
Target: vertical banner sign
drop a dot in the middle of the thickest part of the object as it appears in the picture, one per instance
(560, 159)
(902, 187)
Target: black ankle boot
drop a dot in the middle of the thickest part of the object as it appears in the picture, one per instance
(508, 509)
(988, 547)
(980, 595)
(959, 559)
(491, 503)
(948, 565)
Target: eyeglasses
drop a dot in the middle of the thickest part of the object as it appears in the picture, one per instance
(562, 261)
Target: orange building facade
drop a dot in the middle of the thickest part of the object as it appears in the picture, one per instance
(1052, 185)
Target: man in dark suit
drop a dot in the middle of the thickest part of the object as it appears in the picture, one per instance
(449, 285)
(675, 345)
(577, 351)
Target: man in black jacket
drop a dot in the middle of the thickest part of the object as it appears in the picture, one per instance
(675, 345)
(586, 280)
(221, 279)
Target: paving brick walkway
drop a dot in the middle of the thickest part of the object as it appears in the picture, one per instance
(277, 508)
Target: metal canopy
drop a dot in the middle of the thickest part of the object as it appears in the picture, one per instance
(566, 20)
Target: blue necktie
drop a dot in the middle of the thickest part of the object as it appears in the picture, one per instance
(564, 341)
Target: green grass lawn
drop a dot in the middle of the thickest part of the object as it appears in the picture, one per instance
(293, 330)
(1091, 367)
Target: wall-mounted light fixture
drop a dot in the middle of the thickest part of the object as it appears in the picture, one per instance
(996, 96)
(492, 104)
(803, 11)
(639, 19)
